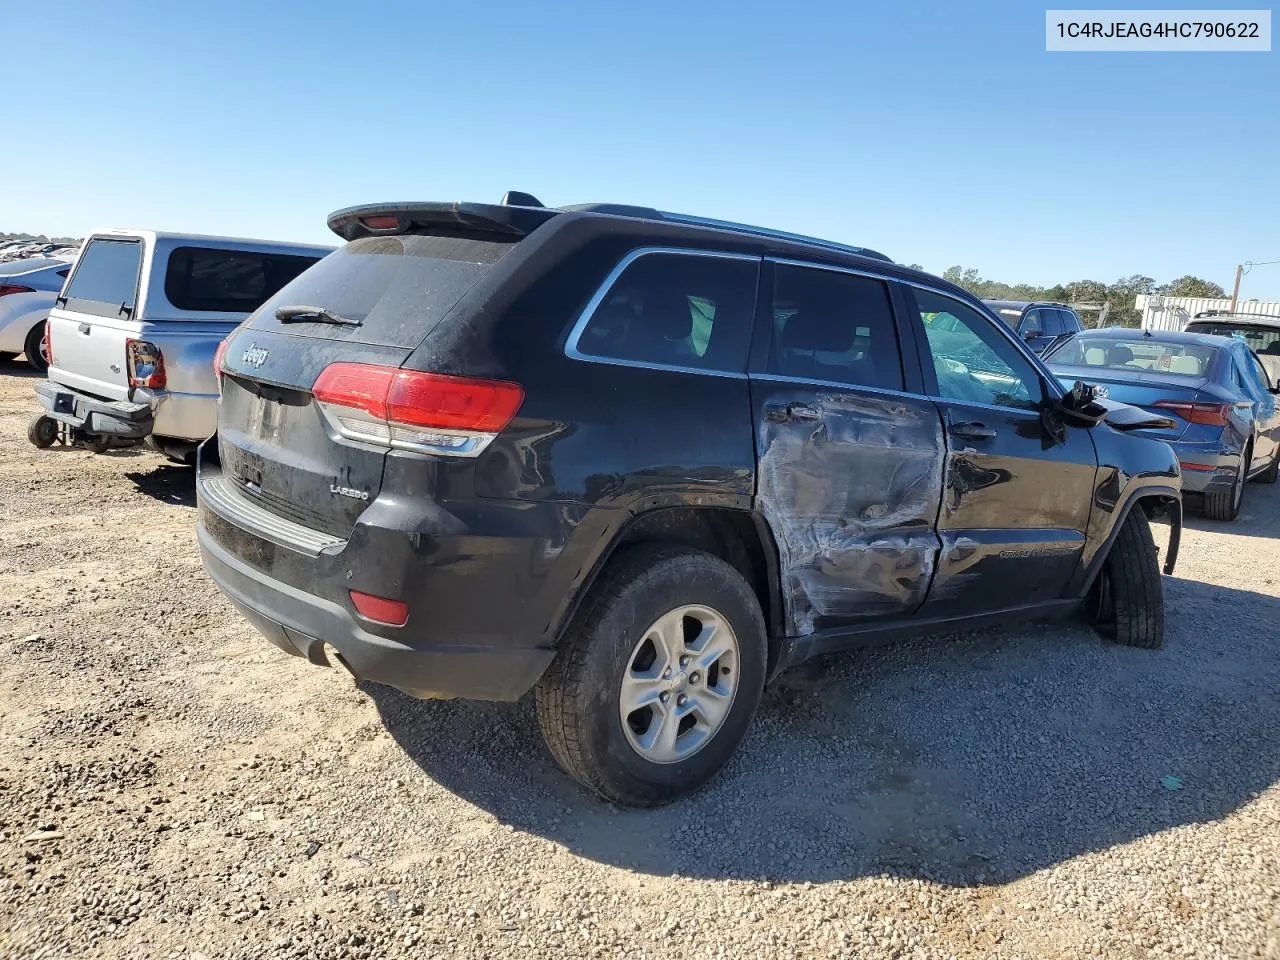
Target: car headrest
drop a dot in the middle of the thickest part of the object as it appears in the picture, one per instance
(1185, 364)
(1119, 353)
(1095, 356)
(815, 331)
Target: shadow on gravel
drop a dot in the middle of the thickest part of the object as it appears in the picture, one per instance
(20, 369)
(1259, 514)
(168, 482)
(963, 760)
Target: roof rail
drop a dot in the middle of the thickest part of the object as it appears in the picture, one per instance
(650, 213)
(775, 234)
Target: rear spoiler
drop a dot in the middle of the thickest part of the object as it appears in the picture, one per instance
(479, 220)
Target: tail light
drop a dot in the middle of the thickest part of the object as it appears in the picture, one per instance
(217, 357)
(145, 364)
(8, 288)
(46, 343)
(412, 410)
(1214, 414)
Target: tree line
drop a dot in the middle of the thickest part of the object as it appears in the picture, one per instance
(1120, 294)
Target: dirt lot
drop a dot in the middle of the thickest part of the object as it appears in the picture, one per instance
(173, 786)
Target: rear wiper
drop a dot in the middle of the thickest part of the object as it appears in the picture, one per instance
(305, 314)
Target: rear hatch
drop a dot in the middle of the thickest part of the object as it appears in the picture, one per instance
(371, 302)
(1139, 388)
(95, 317)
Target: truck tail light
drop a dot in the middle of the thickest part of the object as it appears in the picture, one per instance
(1214, 414)
(413, 410)
(8, 288)
(145, 365)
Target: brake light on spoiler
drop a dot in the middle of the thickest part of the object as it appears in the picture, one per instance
(412, 410)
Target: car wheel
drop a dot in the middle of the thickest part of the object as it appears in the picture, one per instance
(657, 678)
(1128, 599)
(1226, 504)
(42, 431)
(1272, 473)
(33, 347)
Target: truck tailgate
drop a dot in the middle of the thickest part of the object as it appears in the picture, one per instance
(89, 353)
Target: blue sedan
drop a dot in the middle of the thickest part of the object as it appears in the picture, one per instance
(1223, 415)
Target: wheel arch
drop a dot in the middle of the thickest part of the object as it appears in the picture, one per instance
(1154, 501)
(739, 537)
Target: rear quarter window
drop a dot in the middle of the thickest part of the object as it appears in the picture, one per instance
(105, 281)
(679, 310)
(210, 280)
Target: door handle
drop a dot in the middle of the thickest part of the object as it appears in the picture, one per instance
(791, 413)
(84, 328)
(971, 430)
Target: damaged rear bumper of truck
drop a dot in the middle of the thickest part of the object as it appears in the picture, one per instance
(111, 418)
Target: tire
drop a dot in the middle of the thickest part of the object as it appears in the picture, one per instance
(34, 348)
(580, 697)
(97, 444)
(1129, 597)
(42, 431)
(1272, 473)
(1225, 505)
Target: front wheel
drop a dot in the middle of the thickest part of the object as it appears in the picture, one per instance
(657, 678)
(1128, 599)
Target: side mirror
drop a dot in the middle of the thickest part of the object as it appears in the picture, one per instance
(1081, 405)
(1030, 334)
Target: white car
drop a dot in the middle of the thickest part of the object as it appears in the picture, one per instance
(28, 289)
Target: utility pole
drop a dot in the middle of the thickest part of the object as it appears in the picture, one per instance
(1235, 291)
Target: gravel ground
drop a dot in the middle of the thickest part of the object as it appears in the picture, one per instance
(173, 786)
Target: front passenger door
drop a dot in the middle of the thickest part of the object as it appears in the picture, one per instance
(1016, 499)
(1033, 331)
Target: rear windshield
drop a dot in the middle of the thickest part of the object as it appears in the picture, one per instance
(1140, 353)
(398, 288)
(227, 281)
(105, 283)
(1261, 339)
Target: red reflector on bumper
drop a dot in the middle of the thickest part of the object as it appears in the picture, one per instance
(394, 613)
(1196, 466)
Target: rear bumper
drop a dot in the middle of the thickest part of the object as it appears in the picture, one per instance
(115, 418)
(187, 416)
(301, 623)
(1206, 467)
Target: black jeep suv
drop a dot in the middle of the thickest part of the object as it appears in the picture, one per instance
(1041, 325)
(642, 463)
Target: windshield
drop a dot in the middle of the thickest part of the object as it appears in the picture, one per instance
(397, 287)
(1260, 338)
(1139, 353)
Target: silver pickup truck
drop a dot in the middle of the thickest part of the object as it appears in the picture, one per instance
(131, 338)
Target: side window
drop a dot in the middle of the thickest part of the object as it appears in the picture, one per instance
(1070, 322)
(1247, 377)
(105, 282)
(1052, 323)
(974, 362)
(678, 310)
(227, 281)
(1264, 379)
(1032, 325)
(834, 326)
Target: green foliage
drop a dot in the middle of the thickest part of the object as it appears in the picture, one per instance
(1190, 286)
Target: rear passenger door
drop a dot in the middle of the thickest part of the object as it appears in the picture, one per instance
(850, 454)
(1016, 499)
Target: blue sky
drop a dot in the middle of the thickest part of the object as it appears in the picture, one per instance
(940, 133)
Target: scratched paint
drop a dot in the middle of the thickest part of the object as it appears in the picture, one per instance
(852, 499)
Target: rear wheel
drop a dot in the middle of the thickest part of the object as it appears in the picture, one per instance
(34, 348)
(42, 431)
(1128, 599)
(1225, 505)
(658, 677)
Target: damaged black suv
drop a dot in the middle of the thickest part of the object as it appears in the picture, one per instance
(642, 462)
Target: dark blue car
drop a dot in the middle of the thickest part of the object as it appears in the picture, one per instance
(1224, 418)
